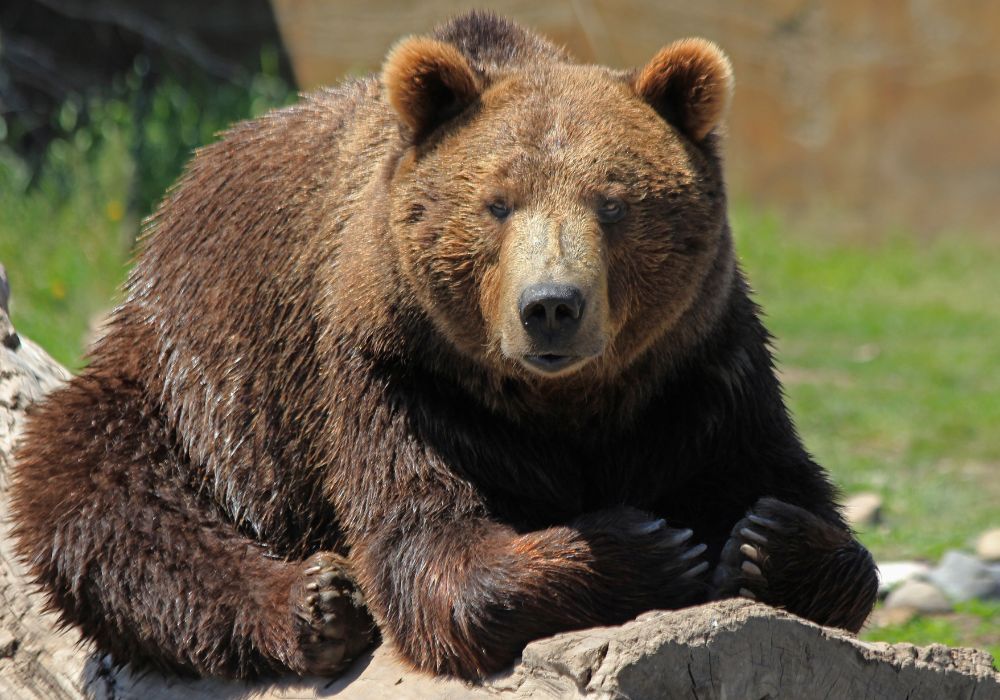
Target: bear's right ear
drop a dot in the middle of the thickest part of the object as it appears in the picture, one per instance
(428, 82)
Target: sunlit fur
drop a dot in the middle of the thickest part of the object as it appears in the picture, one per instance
(316, 353)
(553, 143)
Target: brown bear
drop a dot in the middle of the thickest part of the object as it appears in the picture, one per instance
(459, 355)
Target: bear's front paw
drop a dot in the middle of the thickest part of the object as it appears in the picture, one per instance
(650, 564)
(332, 620)
(787, 557)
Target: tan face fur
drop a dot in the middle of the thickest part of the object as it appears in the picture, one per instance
(554, 221)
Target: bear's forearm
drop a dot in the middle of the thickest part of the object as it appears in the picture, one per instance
(469, 609)
(466, 601)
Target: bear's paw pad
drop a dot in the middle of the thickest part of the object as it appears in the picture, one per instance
(331, 615)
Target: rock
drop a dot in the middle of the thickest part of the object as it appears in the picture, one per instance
(727, 649)
(891, 617)
(8, 644)
(988, 545)
(920, 596)
(730, 649)
(8, 338)
(863, 510)
(963, 577)
(4, 291)
(893, 573)
(740, 649)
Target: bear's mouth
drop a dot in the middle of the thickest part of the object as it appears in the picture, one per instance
(550, 363)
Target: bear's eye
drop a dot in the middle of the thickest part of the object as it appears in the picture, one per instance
(611, 211)
(499, 209)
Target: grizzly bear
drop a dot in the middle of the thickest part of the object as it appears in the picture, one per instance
(459, 355)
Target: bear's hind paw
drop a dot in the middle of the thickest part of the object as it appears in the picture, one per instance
(333, 623)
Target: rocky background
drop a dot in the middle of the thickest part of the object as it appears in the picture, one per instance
(911, 588)
(729, 649)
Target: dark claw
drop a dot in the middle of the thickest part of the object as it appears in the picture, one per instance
(696, 571)
(765, 522)
(694, 552)
(753, 536)
(650, 527)
(679, 537)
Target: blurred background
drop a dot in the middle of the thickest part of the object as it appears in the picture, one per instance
(863, 156)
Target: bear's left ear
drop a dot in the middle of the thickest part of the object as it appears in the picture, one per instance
(428, 82)
(689, 83)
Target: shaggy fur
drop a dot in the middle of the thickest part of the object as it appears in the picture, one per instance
(314, 404)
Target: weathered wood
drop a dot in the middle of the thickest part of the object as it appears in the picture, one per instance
(35, 660)
(730, 649)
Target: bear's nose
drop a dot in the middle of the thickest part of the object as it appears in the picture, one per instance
(551, 312)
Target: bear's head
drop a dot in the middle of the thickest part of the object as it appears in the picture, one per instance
(558, 219)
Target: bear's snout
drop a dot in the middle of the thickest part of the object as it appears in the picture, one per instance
(551, 315)
(554, 313)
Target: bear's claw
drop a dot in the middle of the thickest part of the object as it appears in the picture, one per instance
(696, 571)
(694, 551)
(753, 536)
(742, 563)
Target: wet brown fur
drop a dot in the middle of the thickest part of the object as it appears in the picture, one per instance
(310, 359)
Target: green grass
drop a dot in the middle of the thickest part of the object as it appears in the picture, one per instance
(890, 350)
(65, 252)
(66, 228)
(891, 358)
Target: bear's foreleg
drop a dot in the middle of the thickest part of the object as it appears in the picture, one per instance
(149, 567)
(463, 596)
(787, 557)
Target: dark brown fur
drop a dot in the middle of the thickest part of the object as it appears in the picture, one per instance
(313, 390)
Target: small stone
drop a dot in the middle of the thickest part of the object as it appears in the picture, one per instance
(891, 617)
(8, 644)
(893, 573)
(921, 596)
(4, 290)
(863, 510)
(988, 545)
(867, 353)
(963, 577)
